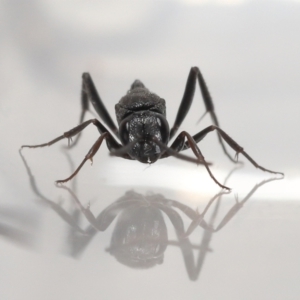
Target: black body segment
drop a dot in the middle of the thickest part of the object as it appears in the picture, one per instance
(138, 98)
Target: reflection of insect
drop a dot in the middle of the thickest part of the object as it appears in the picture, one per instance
(140, 236)
(143, 129)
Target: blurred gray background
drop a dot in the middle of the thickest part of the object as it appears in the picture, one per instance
(248, 52)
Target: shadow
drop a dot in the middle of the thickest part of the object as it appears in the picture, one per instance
(140, 235)
(195, 269)
(18, 226)
(69, 219)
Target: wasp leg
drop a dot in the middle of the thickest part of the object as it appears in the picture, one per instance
(234, 145)
(187, 100)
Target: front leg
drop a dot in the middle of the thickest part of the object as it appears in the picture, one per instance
(180, 143)
(109, 141)
(89, 156)
(187, 100)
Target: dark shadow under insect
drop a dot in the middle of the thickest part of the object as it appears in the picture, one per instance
(143, 131)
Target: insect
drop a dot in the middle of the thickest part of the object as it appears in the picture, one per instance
(144, 132)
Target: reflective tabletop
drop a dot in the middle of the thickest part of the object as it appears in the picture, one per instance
(123, 229)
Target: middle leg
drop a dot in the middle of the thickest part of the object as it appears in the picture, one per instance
(233, 144)
(110, 141)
